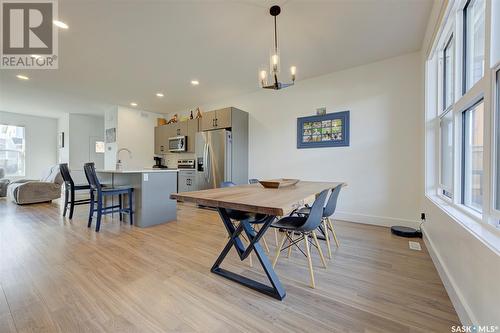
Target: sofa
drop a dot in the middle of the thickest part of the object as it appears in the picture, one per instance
(4, 183)
(26, 191)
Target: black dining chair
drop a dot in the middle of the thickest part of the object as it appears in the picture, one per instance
(70, 189)
(327, 224)
(304, 226)
(239, 215)
(98, 194)
(256, 181)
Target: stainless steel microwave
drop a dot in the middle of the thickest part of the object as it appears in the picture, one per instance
(177, 144)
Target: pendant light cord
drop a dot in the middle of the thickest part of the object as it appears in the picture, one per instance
(275, 37)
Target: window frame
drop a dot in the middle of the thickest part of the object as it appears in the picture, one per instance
(471, 105)
(465, 55)
(441, 187)
(495, 130)
(24, 153)
(444, 107)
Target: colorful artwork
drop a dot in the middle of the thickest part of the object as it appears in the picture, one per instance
(329, 130)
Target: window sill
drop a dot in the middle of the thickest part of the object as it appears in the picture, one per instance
(488, 234)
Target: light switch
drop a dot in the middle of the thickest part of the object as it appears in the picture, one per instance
(146, 177)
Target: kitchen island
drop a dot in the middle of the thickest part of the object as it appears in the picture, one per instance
(152, 190)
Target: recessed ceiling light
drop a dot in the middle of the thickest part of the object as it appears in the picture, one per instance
(195, 82)
(133, 104)
(159, 94)
(60, 24)
(22, 77)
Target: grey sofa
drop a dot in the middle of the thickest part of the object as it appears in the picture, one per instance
(4, 183)
(27, 191)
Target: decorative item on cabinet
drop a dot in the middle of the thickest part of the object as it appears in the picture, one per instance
(191, 115)
(198, 113)
(161, 121)
(173, 119)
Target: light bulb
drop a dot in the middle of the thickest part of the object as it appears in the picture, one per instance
(293, 71)
(263, 78)
(275, 59)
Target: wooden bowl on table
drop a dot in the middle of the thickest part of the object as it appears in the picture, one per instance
(278, 183)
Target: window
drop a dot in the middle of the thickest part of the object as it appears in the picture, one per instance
(472, 157)
(474, 13)
(12, 150)
(446, 152)
(448, 73)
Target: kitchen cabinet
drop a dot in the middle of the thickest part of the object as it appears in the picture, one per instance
(161, 140)
(192, 129)
(187, 128)
(216, 119)
(180, 128)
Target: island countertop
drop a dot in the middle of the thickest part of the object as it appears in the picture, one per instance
(138, 171)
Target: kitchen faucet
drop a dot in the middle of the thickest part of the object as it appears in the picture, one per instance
(118, 161)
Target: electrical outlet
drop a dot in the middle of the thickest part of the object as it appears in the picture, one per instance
(415, 246)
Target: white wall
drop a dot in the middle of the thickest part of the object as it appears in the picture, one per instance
(135, 131)
(63, 127)
(41, 141)
(382, 166)
(83, 130)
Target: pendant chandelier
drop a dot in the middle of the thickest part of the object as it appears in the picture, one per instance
(274, 68)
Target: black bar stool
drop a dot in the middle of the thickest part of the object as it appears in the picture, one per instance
(98, 193)
(69, 191)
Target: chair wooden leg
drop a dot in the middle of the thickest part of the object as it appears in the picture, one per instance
(131, 207)
(290, 247)
(333, 232)
(327, 237)
(120, 206)
(278, 249)
(319, 249)
(309, 259)
(72, 203)
(99, 212)
(91, 211)
(66, 195)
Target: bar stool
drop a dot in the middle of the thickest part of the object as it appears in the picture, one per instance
(69, 191)
(98, 193)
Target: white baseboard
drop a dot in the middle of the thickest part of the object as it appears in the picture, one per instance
(374, 220)
(461, 307)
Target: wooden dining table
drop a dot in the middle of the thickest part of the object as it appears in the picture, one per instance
(253, 198)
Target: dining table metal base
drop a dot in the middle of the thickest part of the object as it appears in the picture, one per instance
(275, 290)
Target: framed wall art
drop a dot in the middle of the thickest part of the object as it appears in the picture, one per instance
(329, 130)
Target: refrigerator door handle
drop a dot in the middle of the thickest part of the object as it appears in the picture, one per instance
(205, 163)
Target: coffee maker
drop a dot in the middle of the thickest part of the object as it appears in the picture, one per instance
(158, 164)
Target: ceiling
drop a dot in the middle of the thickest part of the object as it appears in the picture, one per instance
(120, 51)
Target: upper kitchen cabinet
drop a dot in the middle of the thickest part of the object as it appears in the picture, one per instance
(161, 140)
(187, 128)
(180, 128)
(192, 129)
(217, 119)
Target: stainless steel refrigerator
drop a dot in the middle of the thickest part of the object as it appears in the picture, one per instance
(215, 160)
